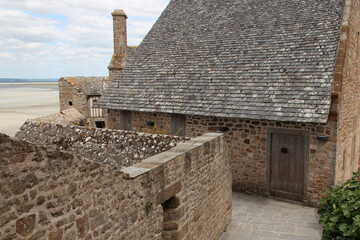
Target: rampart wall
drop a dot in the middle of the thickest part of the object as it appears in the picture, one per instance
(183, 193)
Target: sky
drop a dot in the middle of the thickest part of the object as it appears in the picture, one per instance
(55, 38)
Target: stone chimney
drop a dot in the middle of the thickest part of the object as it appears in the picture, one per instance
(120, 43)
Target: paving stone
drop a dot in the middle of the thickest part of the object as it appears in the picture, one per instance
(285, 229)
(288, 221)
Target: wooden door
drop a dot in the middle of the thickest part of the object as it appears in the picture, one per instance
(178, 124)
(126, 120)
(287, 164)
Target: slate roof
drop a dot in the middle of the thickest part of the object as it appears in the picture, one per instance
(95, 86)
(91, 86)
(254, 59)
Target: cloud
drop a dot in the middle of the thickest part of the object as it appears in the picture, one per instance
(18, 25)
(52, 38)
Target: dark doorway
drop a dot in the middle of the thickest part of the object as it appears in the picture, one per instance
(287, 163)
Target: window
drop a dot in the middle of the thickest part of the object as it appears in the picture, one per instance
(70, 103)
(100, 124)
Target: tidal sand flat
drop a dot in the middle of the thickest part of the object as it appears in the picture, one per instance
(22, 101)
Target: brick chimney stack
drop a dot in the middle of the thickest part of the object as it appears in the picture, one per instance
(120, 43)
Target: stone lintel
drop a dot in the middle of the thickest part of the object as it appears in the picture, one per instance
(168, 192)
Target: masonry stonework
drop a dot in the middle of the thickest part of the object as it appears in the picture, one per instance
(71, 96)
(246, 144)
(140, 120)
(347, 88)
(116, 148)
(184, 193)
(118, 59)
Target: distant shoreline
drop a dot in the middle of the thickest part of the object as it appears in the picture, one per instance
(27, 80)
(28, 83)
(20, 101)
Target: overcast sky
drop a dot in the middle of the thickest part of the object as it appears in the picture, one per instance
(54, 38)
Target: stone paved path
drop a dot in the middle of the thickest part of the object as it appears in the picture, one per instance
(261, 218)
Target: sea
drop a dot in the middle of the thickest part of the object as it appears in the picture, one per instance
(22, 99)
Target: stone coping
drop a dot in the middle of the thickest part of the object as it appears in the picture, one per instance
(157, 160)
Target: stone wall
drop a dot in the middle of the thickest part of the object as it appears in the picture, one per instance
(116, 148)
(184, 193)
(75, 91)
(70, 92)
(140, 119)
(246, 143)
(347, 88)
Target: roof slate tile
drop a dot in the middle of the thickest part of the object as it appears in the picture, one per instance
(255, 59)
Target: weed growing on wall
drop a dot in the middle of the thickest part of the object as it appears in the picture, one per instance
(340, 211)
(148, 207)
(155, 130)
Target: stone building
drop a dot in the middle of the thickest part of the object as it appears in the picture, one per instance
(82, 92)
(280, 79)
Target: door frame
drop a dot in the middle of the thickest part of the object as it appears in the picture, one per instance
(306, 134)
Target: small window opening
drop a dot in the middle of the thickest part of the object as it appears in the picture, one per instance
(70, 103)
(100, 124)
(172, 218)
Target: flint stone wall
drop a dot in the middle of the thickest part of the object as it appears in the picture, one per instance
(184, 193)
(113, 147)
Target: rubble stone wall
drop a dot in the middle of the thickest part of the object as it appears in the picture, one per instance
(246, 142)
(140, 121)
(116, 148)
(184, 193)
(347, 78)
